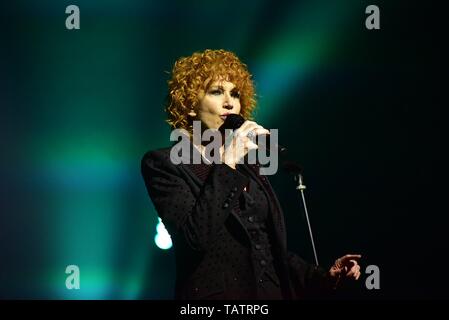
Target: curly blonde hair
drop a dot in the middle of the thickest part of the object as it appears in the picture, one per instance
(193, 74)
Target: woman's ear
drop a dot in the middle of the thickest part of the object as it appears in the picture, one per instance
(192, 113)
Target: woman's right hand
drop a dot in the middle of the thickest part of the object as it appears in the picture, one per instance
(233, 153)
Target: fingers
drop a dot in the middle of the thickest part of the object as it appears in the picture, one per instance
(241, 135)
(354, 271)
(240, 144)
(260, 130)
(347, 259)
(356, 275)
(347, 265)
(351, 257)
(250, 145)
(249, 126)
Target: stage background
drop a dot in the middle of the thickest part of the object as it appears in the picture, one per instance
(361, 110)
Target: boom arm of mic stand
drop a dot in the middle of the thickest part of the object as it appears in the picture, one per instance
(301, 187)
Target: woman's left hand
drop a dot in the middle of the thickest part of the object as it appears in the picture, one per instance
(346, 267)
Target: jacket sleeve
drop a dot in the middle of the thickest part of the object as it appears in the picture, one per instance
(196, 220)
(308, 279)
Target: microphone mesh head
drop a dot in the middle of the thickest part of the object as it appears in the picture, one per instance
(233, 121)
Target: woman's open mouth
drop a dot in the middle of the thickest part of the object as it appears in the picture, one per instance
(224, 116)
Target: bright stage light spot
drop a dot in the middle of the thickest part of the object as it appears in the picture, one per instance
(162, 238)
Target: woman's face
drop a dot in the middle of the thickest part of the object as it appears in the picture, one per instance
(222, 98)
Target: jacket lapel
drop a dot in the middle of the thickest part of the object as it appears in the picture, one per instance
(199, 173)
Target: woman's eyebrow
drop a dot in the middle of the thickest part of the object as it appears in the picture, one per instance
(221, 88)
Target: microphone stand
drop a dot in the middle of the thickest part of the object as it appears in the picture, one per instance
(301, 187)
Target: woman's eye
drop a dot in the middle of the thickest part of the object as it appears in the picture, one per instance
(215, 92)
(236, 94)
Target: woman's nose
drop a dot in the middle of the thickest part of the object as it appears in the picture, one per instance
(227, 99)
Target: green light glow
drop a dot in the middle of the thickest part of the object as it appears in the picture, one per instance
(94, 100)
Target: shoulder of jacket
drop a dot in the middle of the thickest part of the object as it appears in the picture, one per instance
(160, 156)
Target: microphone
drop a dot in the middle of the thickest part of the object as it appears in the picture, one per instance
(235, 121)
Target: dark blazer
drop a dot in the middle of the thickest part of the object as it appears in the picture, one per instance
(198, 205)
